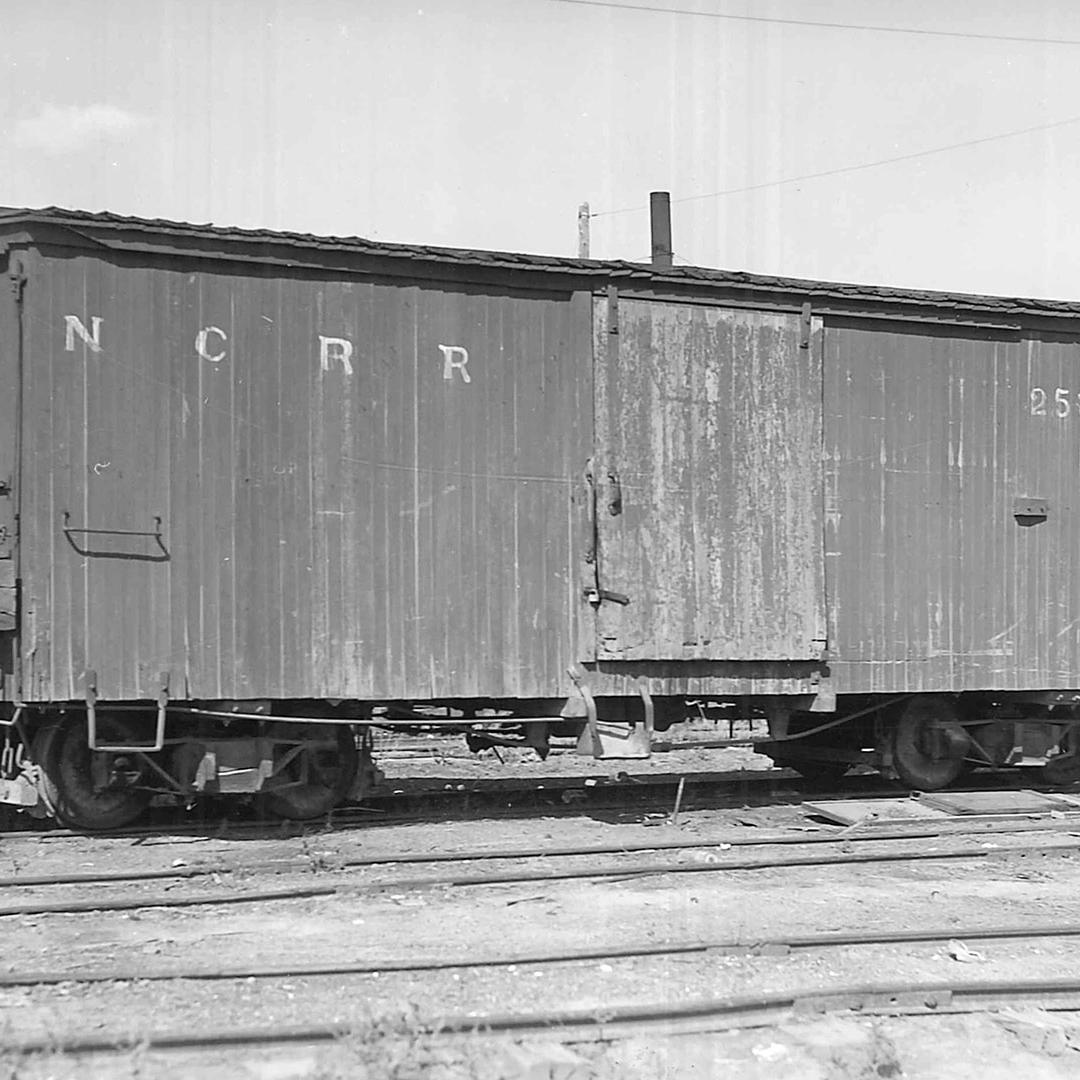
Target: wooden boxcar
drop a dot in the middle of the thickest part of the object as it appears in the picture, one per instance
(259, 488)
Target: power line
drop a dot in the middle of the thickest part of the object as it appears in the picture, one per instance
(1015, 38)
(841, 170)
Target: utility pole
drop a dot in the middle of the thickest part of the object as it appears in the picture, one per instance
(583, 231)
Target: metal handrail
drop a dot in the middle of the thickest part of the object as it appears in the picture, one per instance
(91, 721)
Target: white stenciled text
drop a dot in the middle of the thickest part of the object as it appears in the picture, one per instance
(202, 344)
(74, 327)
(1059, 402)
(455, 358)
(332, 349)
(211, 343)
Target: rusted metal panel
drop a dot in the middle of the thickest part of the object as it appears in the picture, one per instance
(708, 483)
(935, 439)
(364, 490)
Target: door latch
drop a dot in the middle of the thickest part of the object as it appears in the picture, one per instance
(595, 596)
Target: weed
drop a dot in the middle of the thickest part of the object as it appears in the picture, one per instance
(398, 1047)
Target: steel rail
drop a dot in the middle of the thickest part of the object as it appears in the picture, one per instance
(642, 791)
(646, 795)
(71, 907)
(717, 1013)
(616, 872)
(303, 864)
(753, 947)
(652, 869)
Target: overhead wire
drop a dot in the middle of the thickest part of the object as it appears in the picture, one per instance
(824, 25)
(863, 27)
(844, 169)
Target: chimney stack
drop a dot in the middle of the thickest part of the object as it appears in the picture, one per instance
(660, 222)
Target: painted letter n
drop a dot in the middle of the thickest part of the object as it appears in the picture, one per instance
(73, 326)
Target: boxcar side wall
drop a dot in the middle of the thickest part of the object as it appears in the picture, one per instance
(290, 483)
(936, 440)
(298, 486)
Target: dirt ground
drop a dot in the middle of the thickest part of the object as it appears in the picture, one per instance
(380, 1018)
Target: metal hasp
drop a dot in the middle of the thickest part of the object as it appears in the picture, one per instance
(607, 740)
(90, 682)
(593, 592)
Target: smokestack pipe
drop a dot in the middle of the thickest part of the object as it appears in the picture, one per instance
(660, 223)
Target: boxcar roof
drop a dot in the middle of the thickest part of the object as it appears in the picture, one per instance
(302, 249)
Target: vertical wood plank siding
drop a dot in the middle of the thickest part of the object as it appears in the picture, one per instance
(385, 533)
(931, 436)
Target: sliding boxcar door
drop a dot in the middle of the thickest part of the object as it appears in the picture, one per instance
(708, 483)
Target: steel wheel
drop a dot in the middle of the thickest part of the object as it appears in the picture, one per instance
(82, 792)
(40, 749)
(1062, 770)
(318, 777)
(928, 745)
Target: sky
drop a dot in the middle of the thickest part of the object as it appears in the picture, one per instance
(486, 123)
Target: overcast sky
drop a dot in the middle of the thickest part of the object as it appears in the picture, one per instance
(484, 123)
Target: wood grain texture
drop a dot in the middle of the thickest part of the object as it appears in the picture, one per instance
(709, 420)
(931, 436)
(371, 529)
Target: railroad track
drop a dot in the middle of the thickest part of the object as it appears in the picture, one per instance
(577, 864)
(515, 797)
(608, 1021)
(457, 797)
(769, 946)
(838, 837)
(354, 881)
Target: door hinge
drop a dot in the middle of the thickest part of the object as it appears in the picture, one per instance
(612, 309)
(17, 280)
(804, 326)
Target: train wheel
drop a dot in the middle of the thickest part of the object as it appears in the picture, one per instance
(928, 745)
(317, 778)
(86, 789)
(1062, 770)
(40, 748)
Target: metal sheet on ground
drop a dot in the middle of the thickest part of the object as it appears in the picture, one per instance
(942, 805)
(874, 811)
